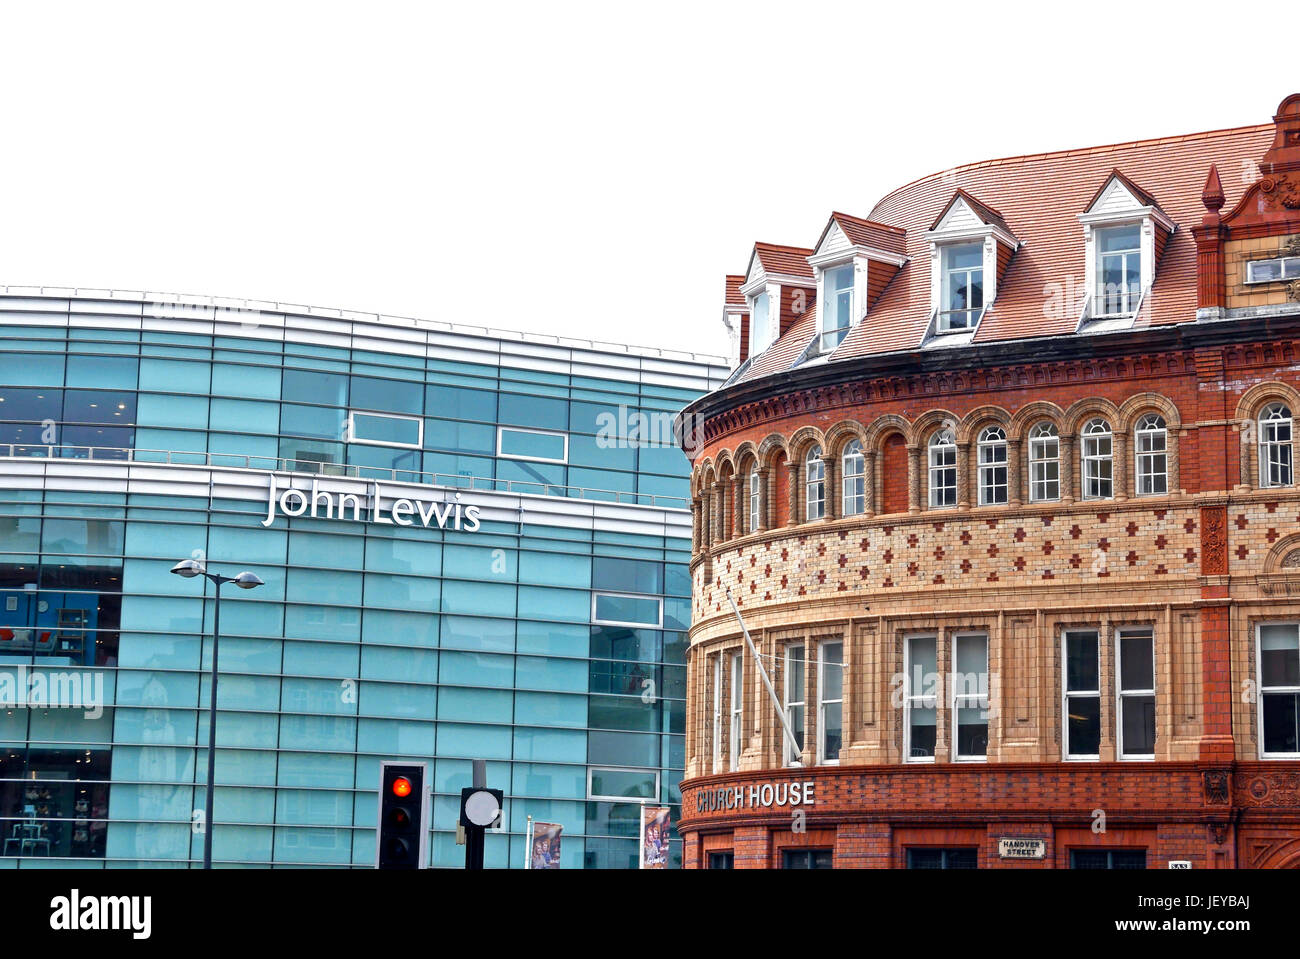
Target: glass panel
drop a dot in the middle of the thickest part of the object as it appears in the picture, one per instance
(627, 609)
(1138, 725)
(1279, 656)
(1137, 669)
(1281, 714)
(1081, 668)
(1083, 735)
(546, 446)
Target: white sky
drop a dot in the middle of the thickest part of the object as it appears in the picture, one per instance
(583, 170)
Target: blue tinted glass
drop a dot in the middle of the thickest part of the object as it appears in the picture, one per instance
(388, 396)
(546, 446)
(369, 428)
(461, 404)
(103, 372)
(538, 411)
(319, 421)
(301, 386)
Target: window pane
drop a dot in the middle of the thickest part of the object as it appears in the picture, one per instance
(1279, 656)
(1081, 661)
(370, 428)
(1138, 725)
(545, 446)
(1084, 725)
(627, 609)
(1280, 715)
(1137, 670)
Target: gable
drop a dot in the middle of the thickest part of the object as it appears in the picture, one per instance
(959, 216)
(1115, 197)
(834, 241)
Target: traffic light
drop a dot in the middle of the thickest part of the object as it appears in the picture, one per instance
(403, 801)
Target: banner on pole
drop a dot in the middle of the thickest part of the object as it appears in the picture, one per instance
(546, 845)
(655, 829)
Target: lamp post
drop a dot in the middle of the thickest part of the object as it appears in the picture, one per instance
(189, 568)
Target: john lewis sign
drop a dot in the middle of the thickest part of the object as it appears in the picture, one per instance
(323, 504)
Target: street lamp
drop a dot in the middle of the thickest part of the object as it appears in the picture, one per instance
(189, 568)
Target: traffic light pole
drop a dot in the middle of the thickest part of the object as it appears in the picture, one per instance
(480, 809)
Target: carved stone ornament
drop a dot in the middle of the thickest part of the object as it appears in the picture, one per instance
(1216, 786)
(1292, 246)
(1281, 190)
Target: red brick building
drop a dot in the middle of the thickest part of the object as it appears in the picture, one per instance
(1003, 486)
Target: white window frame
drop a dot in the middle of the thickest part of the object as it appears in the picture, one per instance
(913, 699)
(857, 477)
(1141, 431)
(1130, 299)
(1068, 694)
(967, 700)
(1089, 460)
(1260, 689)
(789, 705)
(823, 702)
(1268, 429)
(993, 445)
(755, 346)
(1288, 269)
(814, 483)
(755, 499)
(350, 426)
(612, 622)
(621, 769)
(942, 442)
(737, 667)
(1121, 693)
(502, 430)
(717, 712)
(943, 322)
(1037, 441)
(827, 296)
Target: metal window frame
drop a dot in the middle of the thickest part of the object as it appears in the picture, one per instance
(953, 697)
(600, 797)
(596, 594)
(1121, 693)
(350, 426)
(501, 430)
(1067, 695)
(822, 701)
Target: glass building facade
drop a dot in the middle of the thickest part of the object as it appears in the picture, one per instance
(547, 636)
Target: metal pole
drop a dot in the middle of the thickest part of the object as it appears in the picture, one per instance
(780, 710)
(212, 727)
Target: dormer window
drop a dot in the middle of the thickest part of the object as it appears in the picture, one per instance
(963, 287)
(759, 322)
(970, 248)
(1125, 232)
(837, 316)
(1119, 270)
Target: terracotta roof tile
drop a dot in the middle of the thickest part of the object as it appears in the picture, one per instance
(1042, 194)
(879, 236)
(733, 295)
(789, 260)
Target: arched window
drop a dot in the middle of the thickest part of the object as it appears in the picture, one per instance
(853, 469)
(1151, 446)
(1275, 445)
(943, 470)
(1044, 463)
(1098, 472)
(815, 483)
(753, 500)
(993, 466)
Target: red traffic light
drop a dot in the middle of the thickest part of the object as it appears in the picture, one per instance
(401, 787)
